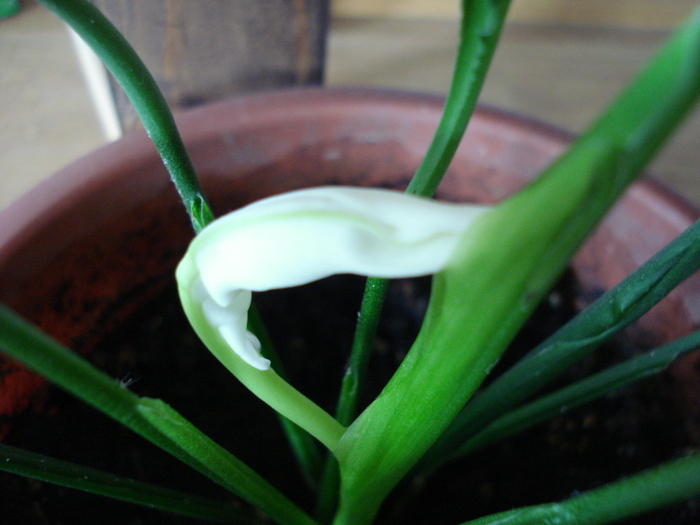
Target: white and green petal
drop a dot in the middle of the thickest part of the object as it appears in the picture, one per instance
(302, 236)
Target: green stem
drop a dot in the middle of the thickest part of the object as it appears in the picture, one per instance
(581, 392)
(143, 92)
(150, 418)
(607, 316)
(368, 319)
(651, 489)
(66, 474)
(480, 30)
(351, 387)
(265, 384)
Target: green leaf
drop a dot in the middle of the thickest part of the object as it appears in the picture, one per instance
(611, 313)
(150, 418)
(581, 392)
(138, 84)
(668, 483)
(68, 474)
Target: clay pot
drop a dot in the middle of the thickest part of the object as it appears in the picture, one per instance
(85, 249)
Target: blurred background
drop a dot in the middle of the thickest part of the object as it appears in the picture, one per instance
(559, 61)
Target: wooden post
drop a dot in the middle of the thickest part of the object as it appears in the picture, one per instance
(204, 50)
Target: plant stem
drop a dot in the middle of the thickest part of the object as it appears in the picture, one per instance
(368, 319)
(150, 418)
(651, 489)
(607, 316)
(68, 474)
(143, 92)
(351, 387)
(481, 24)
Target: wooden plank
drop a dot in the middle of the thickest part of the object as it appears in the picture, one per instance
(648, 14)
(202, 51)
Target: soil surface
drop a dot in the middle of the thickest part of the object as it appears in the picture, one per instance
(157, 355)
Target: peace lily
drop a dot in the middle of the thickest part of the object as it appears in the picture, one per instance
(296, 238)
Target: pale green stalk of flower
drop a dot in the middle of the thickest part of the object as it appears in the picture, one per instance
(297, 238)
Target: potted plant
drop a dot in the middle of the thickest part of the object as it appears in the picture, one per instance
(492, 265)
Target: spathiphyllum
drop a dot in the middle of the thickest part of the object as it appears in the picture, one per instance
(491, 267)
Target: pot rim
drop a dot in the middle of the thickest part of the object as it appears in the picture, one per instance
(40, 205)
(93, 179)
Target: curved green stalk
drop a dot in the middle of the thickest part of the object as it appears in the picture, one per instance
(150, 418)
(651, 489)
(611, 313)
(143, 92)
(581, 392)
(66, 474)
(511, 258)
(480, 30)
(367, 322)
(266, 384)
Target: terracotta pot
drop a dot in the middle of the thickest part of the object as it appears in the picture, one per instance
(83, 250)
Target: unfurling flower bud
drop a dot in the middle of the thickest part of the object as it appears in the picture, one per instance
(299, 237)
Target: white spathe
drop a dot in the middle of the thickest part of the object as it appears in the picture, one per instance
(302, 236)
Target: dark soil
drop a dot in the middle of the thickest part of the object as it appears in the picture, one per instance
(157, 355)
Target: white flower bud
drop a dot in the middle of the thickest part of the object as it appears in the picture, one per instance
(302, 236)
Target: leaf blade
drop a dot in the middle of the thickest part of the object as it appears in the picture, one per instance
(610, 314)
(150, 418)
(64, 473)
(581, 392)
